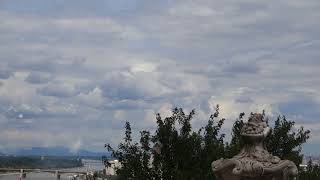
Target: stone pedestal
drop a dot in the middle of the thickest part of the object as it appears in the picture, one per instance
(254, 162)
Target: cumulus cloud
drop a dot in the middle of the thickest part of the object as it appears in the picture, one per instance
(93, 98)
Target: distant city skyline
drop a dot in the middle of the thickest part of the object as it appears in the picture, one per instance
(72, 72)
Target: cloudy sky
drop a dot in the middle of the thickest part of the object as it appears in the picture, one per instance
(72, 72)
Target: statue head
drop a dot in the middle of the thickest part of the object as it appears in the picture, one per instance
(255, 125)
(256, 118)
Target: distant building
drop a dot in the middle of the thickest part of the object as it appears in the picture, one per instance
(303, 167)
(111, 170)
(314, 159)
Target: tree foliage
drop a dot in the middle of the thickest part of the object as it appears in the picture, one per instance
(176, 152)
(236, 142)
(285, 142)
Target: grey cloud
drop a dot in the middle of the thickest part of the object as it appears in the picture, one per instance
(58, 90)
(131, 86)
(33, 111)
(39, 78)
(244, 99)
(303, 107)
(5, 73)
(49, 64)
(204, 53)
(127, 104)
(242, 69)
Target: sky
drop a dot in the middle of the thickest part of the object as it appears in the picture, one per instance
(72, 72)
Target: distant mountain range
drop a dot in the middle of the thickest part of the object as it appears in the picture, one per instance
(53, 151)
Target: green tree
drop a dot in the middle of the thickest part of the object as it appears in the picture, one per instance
(130, 155)
(285, 142)
(236, 141)
(146, 171)
(166, 136)
(179, 156)
(213, 144)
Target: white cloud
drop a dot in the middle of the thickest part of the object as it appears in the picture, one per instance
(76, 146)
(92, 99)
(120, 115)
(165, 110)
(143, 67)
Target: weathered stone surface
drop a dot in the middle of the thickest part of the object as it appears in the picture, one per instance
(254, 162)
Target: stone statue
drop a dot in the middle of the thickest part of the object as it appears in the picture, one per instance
(254, 162)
